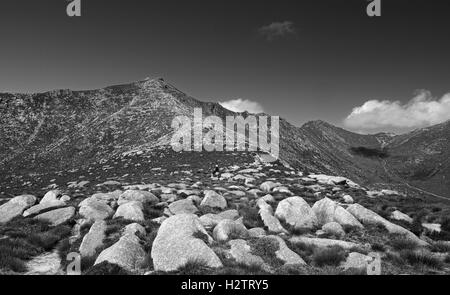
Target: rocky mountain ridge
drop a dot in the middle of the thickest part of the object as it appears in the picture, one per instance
(64, 130)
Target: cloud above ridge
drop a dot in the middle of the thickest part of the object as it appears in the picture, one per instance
(241, 105)
(421, 111)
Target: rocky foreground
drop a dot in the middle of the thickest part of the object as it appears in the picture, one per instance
(260, 219)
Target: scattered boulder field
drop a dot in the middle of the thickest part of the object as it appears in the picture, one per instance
(261, 218)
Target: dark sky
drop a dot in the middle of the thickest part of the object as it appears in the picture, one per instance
(336, 59)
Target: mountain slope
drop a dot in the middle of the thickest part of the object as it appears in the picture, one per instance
(59, 131)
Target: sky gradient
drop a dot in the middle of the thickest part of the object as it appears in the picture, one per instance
(302, 60)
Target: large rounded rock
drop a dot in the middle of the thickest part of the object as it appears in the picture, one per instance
(127, 252)
(209, 221)
(367, 216)
(357, 261)
(229, 230)
(43, 207)
(213, 200)
(268, 186)
(185, 206)
(272, 224)
(108, 198)
(256, 232)
(93, 239)
(15, 207)
(328, 211)
(92, 209)
(333, 228)
(397, 215)
(285, 254)
(139, 196)
(50, 197)
(297, 213)
(348, 199)
(130, 211)
(323, 243)
(58, 216)
(241, 252)
(177, 243)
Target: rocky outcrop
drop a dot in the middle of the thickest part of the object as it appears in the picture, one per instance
(177, 243)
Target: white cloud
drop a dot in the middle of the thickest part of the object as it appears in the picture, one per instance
(241, 105)
(421, 111)
(277, 30)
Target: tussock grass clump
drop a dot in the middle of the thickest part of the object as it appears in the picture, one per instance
(331, 256)
(305, 251)
(317, 271)
(266, 248)
(421, 258)
(26, 238)
(447, 258)
(378, 247)
(199, 267)
(150, 212)
(105, 268)
(445, 224)
(440, 246)
(147, 244)
(251, 218)
(236, 234)
(402, 243)
(116, 225)
(240, 269)
(194, 267)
